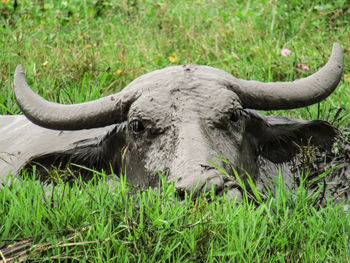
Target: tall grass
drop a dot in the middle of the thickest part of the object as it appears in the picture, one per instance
(69, 48)
(96, 224)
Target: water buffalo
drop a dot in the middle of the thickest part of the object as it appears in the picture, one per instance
(175, 121)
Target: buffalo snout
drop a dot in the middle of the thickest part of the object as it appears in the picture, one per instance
(200, 180)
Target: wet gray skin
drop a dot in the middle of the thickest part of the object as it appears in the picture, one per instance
(174, 121)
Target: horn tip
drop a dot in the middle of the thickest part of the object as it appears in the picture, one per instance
(19, 70)
(19, 77)
(337, 50)
(336, 45)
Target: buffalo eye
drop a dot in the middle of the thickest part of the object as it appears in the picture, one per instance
(235, 116)
(137, 127)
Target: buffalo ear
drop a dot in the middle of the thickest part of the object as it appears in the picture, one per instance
(99, 153)
(284, 136)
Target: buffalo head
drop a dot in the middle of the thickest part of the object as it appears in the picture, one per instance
(176, 120)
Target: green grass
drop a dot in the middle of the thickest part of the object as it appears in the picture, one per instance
(69, 48)
(91, 223)
(74, 51)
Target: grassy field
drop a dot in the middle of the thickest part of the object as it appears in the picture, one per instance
(75, 51)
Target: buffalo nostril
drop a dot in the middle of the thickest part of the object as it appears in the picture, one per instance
(234, 194)
(181, 193)
(207, 167)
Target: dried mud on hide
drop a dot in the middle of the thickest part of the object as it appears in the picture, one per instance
(329, 169)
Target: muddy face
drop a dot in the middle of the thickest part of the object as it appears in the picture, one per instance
(179, 131)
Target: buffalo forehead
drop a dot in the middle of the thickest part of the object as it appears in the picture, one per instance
(165, 76)
(163, 106)
(167, 95)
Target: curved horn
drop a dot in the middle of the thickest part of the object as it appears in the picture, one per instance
(289, 95)
(92, 114)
